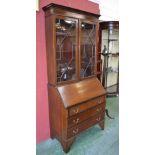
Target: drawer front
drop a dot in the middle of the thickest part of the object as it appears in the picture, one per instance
(85, 125)
(74, 120)
(86, 105)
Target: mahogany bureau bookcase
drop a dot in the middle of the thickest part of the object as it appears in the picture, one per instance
(76, 96)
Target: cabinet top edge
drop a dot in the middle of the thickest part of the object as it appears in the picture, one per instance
(109, 24)
(53, 6)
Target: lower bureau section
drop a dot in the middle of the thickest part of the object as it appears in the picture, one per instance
(71, 114)
(84, 125)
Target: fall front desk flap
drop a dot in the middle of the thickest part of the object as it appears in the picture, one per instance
(80, 91)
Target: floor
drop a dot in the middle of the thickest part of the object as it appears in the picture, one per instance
(93, 141)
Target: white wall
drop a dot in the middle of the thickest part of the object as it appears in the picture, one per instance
(109, 9)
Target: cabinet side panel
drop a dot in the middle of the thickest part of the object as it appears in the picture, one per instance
(55, 115)
(50, 50)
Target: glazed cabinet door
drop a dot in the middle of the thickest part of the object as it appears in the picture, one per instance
(87, 49)
(66, 30)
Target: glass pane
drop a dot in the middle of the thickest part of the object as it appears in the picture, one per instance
(88, 49)
(66, 49)
(113, 41)
(113, 60)
(110, 44)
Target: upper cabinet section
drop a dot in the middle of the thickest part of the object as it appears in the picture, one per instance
(71, 44)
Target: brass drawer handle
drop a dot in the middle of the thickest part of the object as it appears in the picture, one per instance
(75, 131)
(98, 109)
(76, 110)
(99, 101)
(98, 119)
(76, 121)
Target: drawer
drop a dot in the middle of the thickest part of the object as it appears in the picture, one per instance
(86, 105)
(85, 125)
(74, 120)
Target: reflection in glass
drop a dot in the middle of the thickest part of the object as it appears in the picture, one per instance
(88, 46)
(65, 49)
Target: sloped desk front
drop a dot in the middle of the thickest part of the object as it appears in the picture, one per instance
(74, 108)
